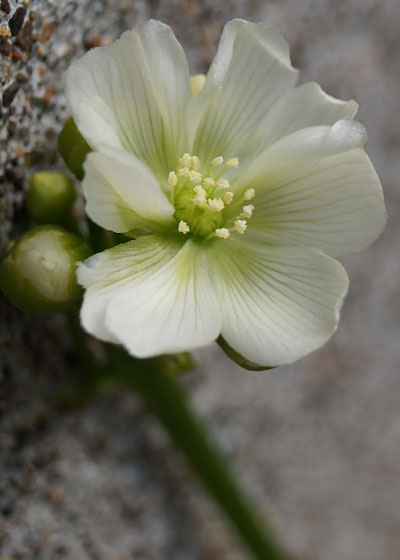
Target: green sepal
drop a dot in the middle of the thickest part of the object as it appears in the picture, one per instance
(50, 197)
(73, 148)
(37, 272)
(239, 359)
(176, 364)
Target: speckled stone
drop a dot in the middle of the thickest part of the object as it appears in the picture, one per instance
(317, 444)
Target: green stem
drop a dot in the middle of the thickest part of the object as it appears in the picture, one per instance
(167, 400)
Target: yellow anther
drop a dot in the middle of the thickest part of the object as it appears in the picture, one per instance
(223, 233)
(228, 196)
(195, 177)
(223, 184)
(215, 204)
(197, 83)
(195, 162)
(248, 210)
(240, 226)
(249, 194)
(208, 182)
(172, 178)
(183, 227)
(186, 160)
(216, 162)
(233, 162)
(184, 172)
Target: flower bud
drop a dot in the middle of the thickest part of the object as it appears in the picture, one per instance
(50, 197)
(37, 273)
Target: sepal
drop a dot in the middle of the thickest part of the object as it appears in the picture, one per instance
(73, 148)
(238, 358)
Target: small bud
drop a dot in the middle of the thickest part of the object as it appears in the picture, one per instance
(37, 273)
(50, 197)
(197, 83)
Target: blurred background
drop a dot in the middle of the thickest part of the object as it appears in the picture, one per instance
(316, 444)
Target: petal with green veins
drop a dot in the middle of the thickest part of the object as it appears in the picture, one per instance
(153, 295)
(277, 304)
(122, 193)
(133, 94)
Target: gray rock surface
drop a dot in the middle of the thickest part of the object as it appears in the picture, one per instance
(317, 444)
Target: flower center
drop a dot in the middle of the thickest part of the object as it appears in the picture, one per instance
(204, 204)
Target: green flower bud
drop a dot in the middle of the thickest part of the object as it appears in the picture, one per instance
(37, 273)
(73, 148)
(50, 197)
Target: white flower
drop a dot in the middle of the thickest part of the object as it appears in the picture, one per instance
(268, 284)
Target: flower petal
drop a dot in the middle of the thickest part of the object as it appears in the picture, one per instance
(122, 194)
(134, 94)
(250, 71)
(317, 187)
(303, 106)
(154, 295)
(278, 304)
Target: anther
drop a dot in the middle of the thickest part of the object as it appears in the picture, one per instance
(186, 160)
(172, 178)
(184, 172)
(249, 194)
(216, 162)
(223, 184)
(215, 204)
(195, 162)
(248, 210)
(183, 227)
(195, 176)
(233, 162)
(199, 191)
(223, 233)
(208, 182)
(228, 196)
(240, 226)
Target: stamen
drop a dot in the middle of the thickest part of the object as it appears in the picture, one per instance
(199, 191)
(208, 182)
(172, 178)
(184, 172)
(195, 176)
(183, 227)
(248, 210)
(240, 226)
(249, 194)
(223, 184)
(233, 162)
(228, 196)
(186, 160)
(195, 162)
(223, 233)
(216, 162)
(215, 204)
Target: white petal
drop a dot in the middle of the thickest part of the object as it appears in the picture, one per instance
(278, 304)
(134, 94)
(303, 106)
(122, 194)
(250, 71)
(153, 295)
(317, 187)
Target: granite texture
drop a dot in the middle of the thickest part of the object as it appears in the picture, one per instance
(317, 444)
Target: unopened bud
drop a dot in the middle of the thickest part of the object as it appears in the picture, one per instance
(37, 273)
(50, 197)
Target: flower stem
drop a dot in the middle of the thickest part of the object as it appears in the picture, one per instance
(167, 400)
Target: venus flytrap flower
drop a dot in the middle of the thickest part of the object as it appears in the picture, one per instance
(206, 262)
